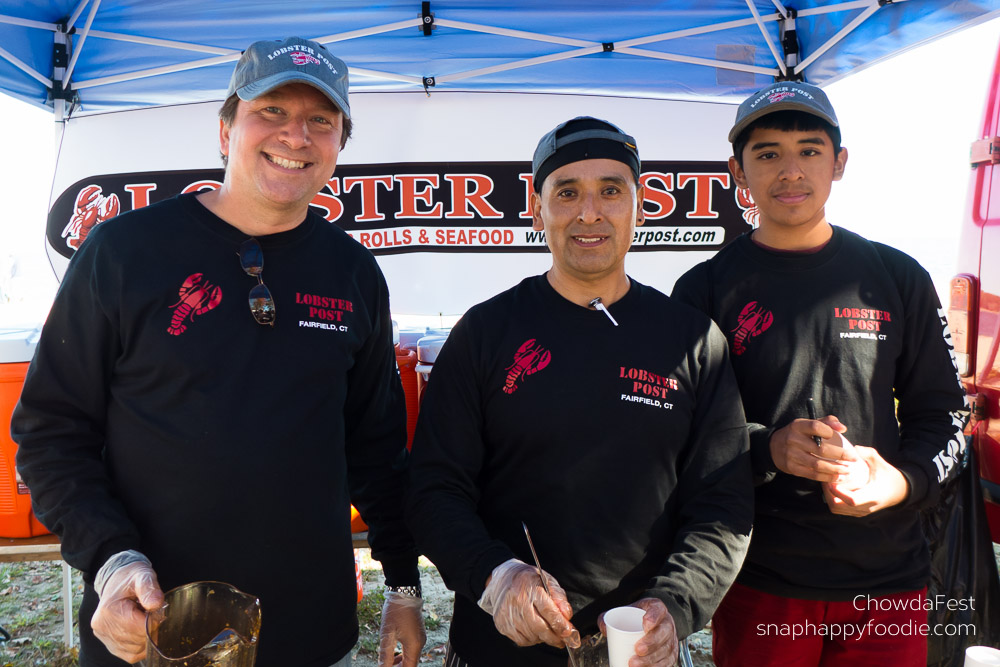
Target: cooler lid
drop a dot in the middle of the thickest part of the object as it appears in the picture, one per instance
(429, 347)
(17, 344)
(408, 337)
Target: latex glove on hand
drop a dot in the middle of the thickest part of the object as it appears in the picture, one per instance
(884, 487)
(402, 621)
(659, 646)
(127, 587)
(522, 610)
(794, 450)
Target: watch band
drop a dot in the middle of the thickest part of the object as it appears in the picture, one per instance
(412, 591)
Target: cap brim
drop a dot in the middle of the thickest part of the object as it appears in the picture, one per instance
(254, 90)
(772, 108)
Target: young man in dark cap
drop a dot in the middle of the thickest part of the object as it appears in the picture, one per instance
(597, 411)
(838, 567)
(169, 434)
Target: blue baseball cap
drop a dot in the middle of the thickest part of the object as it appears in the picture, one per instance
(267, 65)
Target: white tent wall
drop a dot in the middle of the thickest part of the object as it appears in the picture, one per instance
(462, 129)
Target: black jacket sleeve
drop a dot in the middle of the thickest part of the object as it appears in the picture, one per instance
(448, 455)
(375, 424)
(931, 411)
(695, 289)
(59, 423)
(716, 499)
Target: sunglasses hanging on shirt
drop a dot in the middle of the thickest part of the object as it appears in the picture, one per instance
(261, 301)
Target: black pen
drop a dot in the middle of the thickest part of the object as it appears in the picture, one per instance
(812, 415)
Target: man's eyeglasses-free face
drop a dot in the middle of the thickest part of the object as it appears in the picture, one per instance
(261, 302)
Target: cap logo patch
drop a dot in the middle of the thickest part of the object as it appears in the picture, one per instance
(777, 97)
(300, 58)
(303, 55)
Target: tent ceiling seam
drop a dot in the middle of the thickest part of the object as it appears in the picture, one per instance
(707, 62)
(28, 23)
(767, 38)
(75, 15)
(364, 32)
(519, 34)
(156, 71)
(386, 75)
(832, 9)
(24, 67)
(872, 8)
(166, 43)
(518, 64)
(78, 48)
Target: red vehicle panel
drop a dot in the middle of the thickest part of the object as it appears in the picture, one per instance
(974, 310)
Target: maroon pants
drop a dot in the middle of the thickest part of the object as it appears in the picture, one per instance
(752, 628)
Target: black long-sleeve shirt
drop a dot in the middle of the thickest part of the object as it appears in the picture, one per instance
(623, 449)
(855, 326)
(157, 415)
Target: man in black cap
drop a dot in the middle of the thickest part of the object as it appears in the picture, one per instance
(169, 434)
(838, 566)
(601, 414)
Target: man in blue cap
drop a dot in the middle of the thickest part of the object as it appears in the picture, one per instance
(838, 565)
(170, 434)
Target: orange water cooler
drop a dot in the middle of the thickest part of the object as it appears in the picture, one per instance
(16, 519)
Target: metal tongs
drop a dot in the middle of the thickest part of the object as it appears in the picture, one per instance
(545, 584)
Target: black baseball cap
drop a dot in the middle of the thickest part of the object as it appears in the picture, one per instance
(582, 138)
(783, 96)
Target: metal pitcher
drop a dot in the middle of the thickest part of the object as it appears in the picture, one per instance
(204, 624)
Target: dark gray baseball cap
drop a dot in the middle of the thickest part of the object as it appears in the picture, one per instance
(582, 138)
(783, 96)
(267, 65)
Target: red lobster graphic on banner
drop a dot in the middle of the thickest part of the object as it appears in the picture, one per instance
(752, 321)
(197, 296)
(750, 211)
(90, 209)
(528, 360)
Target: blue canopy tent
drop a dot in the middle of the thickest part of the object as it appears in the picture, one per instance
(89, 56)
(134, 87)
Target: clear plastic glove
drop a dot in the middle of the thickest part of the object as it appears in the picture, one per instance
(658, 646)
(522, 610)
(402, 621)
(127, 587)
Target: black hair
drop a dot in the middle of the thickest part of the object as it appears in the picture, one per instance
(788, 120)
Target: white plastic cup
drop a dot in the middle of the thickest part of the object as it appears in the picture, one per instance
(982, 656)
(624, 626)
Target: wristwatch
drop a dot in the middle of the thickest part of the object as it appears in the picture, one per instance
(412, 591)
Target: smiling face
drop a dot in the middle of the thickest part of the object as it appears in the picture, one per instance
(588, 210)
(790, 174)
(282, 148)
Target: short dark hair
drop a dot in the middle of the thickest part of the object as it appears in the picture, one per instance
(227, 114)
(789, 120)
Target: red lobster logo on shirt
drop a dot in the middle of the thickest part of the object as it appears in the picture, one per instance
(197, 296)
(528, 360)
(752, 321)
(91, 208)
